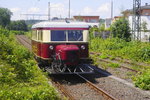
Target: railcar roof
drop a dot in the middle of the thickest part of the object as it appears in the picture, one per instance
(49, 24)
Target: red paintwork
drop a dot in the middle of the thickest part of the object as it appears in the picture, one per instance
(61, 28)
(68, 53)
(45, 51)
(42, 49)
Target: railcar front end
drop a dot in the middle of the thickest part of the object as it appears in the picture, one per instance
(62, 47)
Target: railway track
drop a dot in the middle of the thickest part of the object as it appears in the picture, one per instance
(122, 66)
(117, 60)
(62, 89)
(27, 43)
(24, 41)
(95, 92)
(99, 90)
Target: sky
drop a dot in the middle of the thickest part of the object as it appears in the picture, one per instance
(59, 8)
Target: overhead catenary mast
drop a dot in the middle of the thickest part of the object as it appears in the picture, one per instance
(136, 20)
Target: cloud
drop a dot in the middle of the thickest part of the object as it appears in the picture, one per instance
(104, 8)
(33, 10)
(14, 10)
(58, 10)
(87, 11)
(103, 11)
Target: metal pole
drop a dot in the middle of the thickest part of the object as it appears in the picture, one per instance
(111, 9)
(49, 11)
(69, 9)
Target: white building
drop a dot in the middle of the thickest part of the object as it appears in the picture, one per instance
(108, 22)
(145, 36)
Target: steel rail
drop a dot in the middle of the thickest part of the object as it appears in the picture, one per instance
(119, 59)
(62, 89)
(120, 66)
(22, 38)
(99, 90)
(24, 42)
(104, 60)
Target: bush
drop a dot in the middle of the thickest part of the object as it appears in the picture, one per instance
(20, 78)
(133, 50)
(121, 29)
(143, 80)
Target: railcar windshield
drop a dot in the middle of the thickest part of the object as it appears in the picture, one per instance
(58, 35)
(75, 35)
(66, 35)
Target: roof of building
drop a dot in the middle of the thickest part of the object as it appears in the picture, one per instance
(146, 6)
(60, 24)
(85, 17)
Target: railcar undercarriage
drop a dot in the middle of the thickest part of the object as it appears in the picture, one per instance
(59, 67)
(79, 69)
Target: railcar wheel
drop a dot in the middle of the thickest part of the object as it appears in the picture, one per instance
(58, 66)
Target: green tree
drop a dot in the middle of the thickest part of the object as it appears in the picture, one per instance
(121, 29)
(102, 27)
(144, 26)
(5, 15)
(18, 25)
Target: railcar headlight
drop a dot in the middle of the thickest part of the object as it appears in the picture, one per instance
(83, 47)
(51, 47)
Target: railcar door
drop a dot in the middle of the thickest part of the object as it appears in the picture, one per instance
(40, 39)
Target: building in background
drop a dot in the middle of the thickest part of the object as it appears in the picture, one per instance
(145, 11)
(145, 18)
(89, 19)
(92, 21)
(145, 33)
(108, 22)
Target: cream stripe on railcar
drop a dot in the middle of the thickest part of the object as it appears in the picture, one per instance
(46, 36)
(85, 36)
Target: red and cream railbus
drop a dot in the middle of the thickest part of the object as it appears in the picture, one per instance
(62, 46)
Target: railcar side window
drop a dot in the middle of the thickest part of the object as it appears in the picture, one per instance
(76, 35)
(57, 35)
(34, 34)
(40, 35)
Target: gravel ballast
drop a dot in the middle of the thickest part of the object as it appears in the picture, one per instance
(119, 88)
